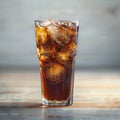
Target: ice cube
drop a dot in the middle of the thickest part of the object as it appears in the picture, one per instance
(73, 32)
(71, 47)
(55, 73)
(63, 57)
(46, 23)
(47, 48)
(44, 59)
(67, 53)
(41, 35)
(53, 31)
(59, 33)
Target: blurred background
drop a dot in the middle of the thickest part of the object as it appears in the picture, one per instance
(99, 35)
(97, 73)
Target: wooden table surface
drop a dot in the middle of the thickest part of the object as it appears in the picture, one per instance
(96, 96)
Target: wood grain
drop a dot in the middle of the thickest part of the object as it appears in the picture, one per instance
(91, 89)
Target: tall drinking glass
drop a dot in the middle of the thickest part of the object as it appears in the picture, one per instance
(56, 42)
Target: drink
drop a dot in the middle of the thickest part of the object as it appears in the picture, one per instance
(56, 49)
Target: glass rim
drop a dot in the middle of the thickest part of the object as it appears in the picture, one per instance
(77, 22)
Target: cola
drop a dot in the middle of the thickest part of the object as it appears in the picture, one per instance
(56, 42)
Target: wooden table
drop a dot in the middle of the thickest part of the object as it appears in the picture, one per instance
(96, 96)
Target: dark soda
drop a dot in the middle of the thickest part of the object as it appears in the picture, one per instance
(56, 48)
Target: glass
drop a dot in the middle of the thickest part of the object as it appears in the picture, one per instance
(56, 42)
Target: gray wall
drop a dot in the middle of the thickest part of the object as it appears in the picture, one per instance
(99, 36)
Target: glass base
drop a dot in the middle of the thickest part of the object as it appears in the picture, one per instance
(57, 103)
